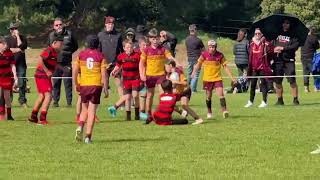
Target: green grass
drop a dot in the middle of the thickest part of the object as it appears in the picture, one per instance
(271, 143)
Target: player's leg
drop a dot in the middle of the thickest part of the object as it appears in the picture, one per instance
(82, 120)
(78, 108)
(38, 103)
(209, 103)
(135, 96)
(7, 99)
(45, 107)
(142, 100)
(90, 121)
(128, 98)
(223, 104)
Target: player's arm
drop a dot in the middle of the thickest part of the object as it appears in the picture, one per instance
(75, 73)
(46, 70)
(14, 71)
(197, 67)
(227, 70)
(169, 56)
(104, 79)
(142, 66)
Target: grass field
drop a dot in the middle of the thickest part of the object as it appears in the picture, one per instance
(271, 143)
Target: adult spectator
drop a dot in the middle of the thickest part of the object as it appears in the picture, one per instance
(241, 52)
(111, 46)
(64, 66)
(169, 41)
(130, 35)
(141, 32)
(18, 44)
(307, 51)
(194, 47)
(286, 46)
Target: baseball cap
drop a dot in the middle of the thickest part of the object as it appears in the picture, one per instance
(212, 43)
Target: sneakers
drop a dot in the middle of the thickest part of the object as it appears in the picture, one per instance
(306, 89)
(113, 111)
(249, 104)
(79, 134)
(198, 121)
(263, 105)
(184, 114)
(296, 101)
(33, 119)
(43, 122)
(10, 118)
(279, 103)
(209, 116)
(143, 116)
(225, 114)
(317, 151)
(87, 140)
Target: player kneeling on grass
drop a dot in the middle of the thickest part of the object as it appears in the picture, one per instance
(163, 114)
(213, 60)
(7, 72)
(182, 90)
(92, 66)
(128, 61)
(43, 74)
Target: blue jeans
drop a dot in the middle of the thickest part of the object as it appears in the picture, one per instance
(22, 83)
(193, 82)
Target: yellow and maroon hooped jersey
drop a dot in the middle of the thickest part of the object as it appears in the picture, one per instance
(212, 64)
(91, 63)
(155, 60)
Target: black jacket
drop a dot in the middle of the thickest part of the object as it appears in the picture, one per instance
(170, 43)
(70, 45)
(290, 44)
(110, 44)
(19, 57)
(310, 47)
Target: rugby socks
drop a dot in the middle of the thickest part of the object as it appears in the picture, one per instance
(223, 104)
(34, 114)
(43, 116)
(128, 116)
(136, 113)
(209, 104)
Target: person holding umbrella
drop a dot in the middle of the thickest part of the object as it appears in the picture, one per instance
(286, 44)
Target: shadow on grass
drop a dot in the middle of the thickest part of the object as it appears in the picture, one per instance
(243, 116)
(133, 140)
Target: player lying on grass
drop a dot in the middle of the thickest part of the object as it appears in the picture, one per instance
(7, 72)
(92, 66)
(128, 62)
(43, 74)
(182, 90)
(213, 61)
(167, 104)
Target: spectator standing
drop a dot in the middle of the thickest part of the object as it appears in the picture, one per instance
(111, 46)
(194, 47)
(64, 66)
(307, 52)
(169, 41)
(241, 52)
(286, 46)
(18, 44)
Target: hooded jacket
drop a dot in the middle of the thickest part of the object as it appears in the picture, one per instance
(110, 44)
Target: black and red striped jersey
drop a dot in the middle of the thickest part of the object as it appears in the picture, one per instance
(163, 113)
(6, 60)
(129, 65)
(49, 57)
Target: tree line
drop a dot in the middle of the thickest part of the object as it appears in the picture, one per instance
(223, 16)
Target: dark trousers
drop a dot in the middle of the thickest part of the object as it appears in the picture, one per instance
(242, 68)
(62, 71)
(22, 83)
(307, 68)
(263, 86)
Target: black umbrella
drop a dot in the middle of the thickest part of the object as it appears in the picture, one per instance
(271, 26)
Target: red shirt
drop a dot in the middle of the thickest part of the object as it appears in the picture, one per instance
(6, 60)
(163, 113)
(49, 57)
(129, 65)
(259, 57)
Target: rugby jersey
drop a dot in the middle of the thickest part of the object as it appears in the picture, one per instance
(212, 64)
(49, 57)
(155, 59)
(6, 60)
(129, 65)
(163, 113)
(91, 63)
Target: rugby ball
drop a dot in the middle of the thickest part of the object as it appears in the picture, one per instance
(174, 76)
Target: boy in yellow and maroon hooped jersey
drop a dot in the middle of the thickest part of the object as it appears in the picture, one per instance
(152, 66)
(213, 61)
(92, 65)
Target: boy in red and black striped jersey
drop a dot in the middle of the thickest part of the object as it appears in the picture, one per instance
(7, 75)
(163, 113)
(46, 66)
(128, 62)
